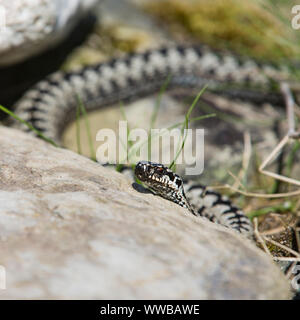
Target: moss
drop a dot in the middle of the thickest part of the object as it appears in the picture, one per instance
(105, 42)
(244, 27)
(285, 238)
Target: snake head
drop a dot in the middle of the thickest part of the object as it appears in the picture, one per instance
(159, 178)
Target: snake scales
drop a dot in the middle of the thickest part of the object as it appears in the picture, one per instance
(52, 103)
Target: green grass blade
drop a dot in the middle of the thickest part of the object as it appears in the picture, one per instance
(155, 111)
(78, 140)
(88, 129)
(280, 208)
(162, 90)
(30, 126)
(176, 125)
(186, 125)
(130, 143)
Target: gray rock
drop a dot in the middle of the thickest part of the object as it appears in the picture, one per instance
(33, 26)
(70, 228)
(128, 13)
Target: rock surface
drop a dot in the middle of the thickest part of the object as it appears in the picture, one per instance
(70, 228)
(33, 26)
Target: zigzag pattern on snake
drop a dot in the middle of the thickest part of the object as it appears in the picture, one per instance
(52, 103)
(199, 201)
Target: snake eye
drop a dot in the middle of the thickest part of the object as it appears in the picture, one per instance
(159, 170)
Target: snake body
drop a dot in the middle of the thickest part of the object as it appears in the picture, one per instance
(199, 201)
(52, 103)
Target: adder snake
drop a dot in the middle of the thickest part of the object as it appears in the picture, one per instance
(52, 103)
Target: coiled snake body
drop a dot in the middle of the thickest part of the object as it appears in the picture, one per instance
(52, 103)
(199, 201)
